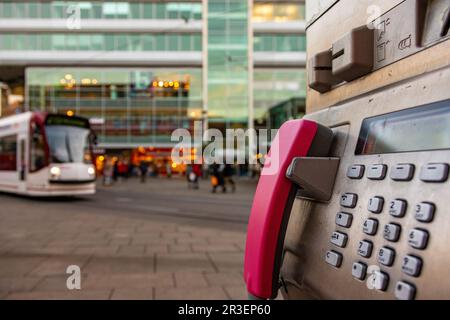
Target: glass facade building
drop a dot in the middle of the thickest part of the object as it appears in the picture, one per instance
(141, 69)
(227, 65)
(132, 106)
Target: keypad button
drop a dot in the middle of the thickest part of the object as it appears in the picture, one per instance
(424, 212)
(365, 248)
(376, 172)
(402, 172)
(391, 232)
(359, 270)
(355, 171)
(386, 256)
(339, 239)
(418, 238)
(370, 226)
(344, 219)
(434, 172)
(333, 258)
(380, 280)
(412, 266)
(375, 204)
(404, 291)
(349, 200)
(397, 208)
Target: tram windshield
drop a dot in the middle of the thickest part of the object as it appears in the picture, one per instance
(68, 140)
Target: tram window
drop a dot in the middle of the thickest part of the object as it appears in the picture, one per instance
(37, 154)
(8, 153)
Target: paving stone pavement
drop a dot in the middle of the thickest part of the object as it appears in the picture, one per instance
(157, 240)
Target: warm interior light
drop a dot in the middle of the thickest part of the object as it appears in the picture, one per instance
(94, 81)
(70, 113)
(160, 84)
(68, 76)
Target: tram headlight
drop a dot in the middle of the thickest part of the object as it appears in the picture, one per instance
(55, 171)
(91, 171)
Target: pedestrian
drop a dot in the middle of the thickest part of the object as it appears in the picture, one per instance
(144, 168)
(123, 169)
(228, 173)
(217, 178)
(168, 168)
(190, 176)
(193, 173)
(107, 173)
(115, 169)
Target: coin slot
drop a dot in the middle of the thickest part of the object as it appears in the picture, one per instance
(322, 68)
(338, 54)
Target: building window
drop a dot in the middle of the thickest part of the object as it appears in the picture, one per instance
(8, 153)
(277, 42)
(101, 10)
(272, 86)
(129, 102)
(101, 42)
(278, 12)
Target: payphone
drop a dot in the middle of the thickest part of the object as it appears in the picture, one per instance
(369, 218)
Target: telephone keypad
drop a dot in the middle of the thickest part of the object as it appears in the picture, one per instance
(349, 200)
(412, 265)
(377, 172)
(402, 172)
(380, 280)
(365, 248)
(434, 172)
(418, 238)
(344, 219)
(391, 232)
(339, 239)
(370, 227)
(424, 212)
(386, 256)
(404, 291)
(397, 208)
(355, 171)
(359, 270)
(375, 204)
(333, 258)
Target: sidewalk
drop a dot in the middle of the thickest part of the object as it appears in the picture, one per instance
(123, 253)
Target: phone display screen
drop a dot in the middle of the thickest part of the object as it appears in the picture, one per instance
(417, 129)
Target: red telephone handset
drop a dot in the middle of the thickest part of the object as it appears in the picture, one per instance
(273, 202)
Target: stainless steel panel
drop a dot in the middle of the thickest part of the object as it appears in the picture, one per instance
(308, 238)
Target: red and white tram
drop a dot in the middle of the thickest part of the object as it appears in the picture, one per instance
(46, 155)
